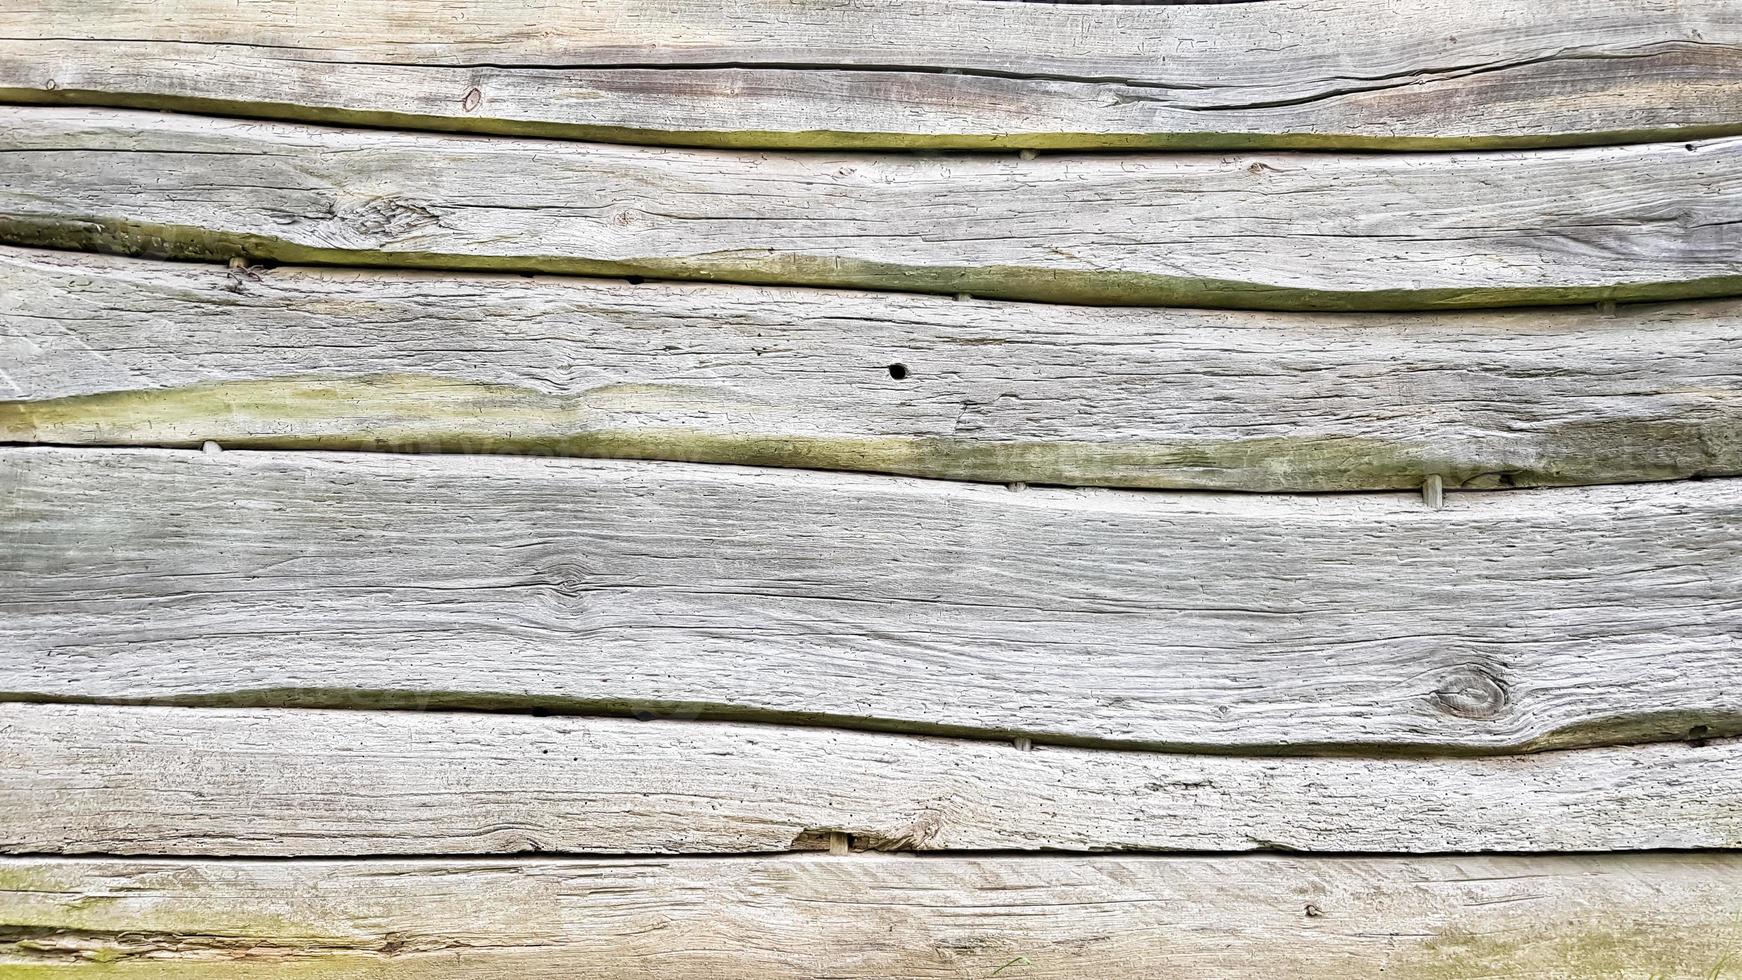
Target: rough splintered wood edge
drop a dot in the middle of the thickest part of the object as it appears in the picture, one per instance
(102, 350)
(863, 916)
(1202, 622)
(1318, 232)
(84, 779)
(890, 75)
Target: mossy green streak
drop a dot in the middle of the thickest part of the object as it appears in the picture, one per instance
(839, 139)
(766, 267)
(406, 412)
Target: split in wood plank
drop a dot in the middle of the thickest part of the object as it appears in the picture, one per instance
(101, 350)
(1404, 74)
(925, 918)
(1279, 231)
(108, 779)
(1531, 619)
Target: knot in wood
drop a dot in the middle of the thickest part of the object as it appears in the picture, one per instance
(383, 220)
(1470, 692)
(566, 578)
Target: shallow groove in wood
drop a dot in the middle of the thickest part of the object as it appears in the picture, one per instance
(1237, 622)
(888, 74)
(893, 917)
(100, 350)
(217, 782)
(1282, 231)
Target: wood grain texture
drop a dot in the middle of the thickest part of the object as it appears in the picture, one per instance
(1232, 621)
(1450, 74)
(298, 782)
(1308, 231)
(100, 350)
(1666, 915)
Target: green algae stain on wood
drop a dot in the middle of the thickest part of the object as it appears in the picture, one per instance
(1099, 287)
(842, 139)
(1594, 949)
(407, 412)
(1712, 951)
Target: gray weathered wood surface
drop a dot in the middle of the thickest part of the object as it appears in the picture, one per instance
(1527, 619)
(1309, 231)
(887, 73)
(106, 350)
(275, 782)
(926, 918)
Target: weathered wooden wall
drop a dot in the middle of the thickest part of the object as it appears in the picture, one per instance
(874, 633)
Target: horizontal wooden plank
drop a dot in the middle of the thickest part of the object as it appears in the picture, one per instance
(99, 350)
(1310, 231)
(297, 782)
(1666, 915)
(1450, 74)
(1521, 620)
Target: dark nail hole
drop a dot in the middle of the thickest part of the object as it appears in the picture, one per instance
(1688, 147)
(1313, 911)
(898, 371)
(1697, 736)
(634, 280)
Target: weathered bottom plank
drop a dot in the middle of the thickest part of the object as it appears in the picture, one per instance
(1669, 915)
(249, 782)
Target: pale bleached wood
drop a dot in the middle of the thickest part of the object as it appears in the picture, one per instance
(889, 73)
(926, 918)
(1526, 619)
(1312, 231)
(106, 350)
(297, 782)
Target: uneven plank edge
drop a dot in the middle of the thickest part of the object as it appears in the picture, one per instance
(926, 918)
(887, 74)
(100, 350)
(1282, 231)
(1532, 619)
(296, 782)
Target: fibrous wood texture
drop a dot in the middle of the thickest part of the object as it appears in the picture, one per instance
(106, 350)
(1527, 619)
(643, 717)
(1279, 231)
(1665, 915)
(888, 73)
(285, 782)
